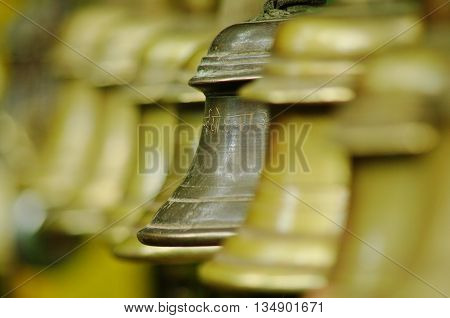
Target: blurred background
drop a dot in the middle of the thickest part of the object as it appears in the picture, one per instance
(79, 77)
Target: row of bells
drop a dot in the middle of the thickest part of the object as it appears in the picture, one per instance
(351, 97)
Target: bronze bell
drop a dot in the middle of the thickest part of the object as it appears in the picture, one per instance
(188, 111)
(291, 238)
(391, 130)
(211, 202)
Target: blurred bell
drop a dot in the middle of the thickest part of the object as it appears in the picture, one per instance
(433, 254)
(186, 136)
(109, 173)
(171, 90)
(150, 171)
(291, 238)
(83, 31)
(390, 129)
(76, 120)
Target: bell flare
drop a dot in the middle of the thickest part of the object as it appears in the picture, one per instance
(291, 237)
(132, 249)
(258, 279)
(178, 237)
(266, 261)
(211, 203)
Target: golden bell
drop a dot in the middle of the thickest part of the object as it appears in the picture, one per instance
(131, 248)
(121, 50)
(291, 238)
(432, 255)
(390, 130)
(175, 91)
(333, 60)
(143, 184)
(77, 118)
(92, 23)
(109, 172)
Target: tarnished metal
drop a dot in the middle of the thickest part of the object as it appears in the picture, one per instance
(291, 238)
(209, 205)
(211, 202)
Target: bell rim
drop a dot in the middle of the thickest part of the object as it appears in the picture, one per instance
(259, 90)
(131, 249)
(167, 237)
(236, 276)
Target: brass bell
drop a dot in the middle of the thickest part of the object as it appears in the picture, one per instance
(433, 256)
(211, 202)
(93, 22)
(60, 173)
(131, 248)
(173, 91)
(291, 238)
(391, 130)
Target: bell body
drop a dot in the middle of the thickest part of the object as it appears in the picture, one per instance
(110, 170)
(211, 202)
(185, 145)
(292, 235)
(93, 24)
(77, 119)
(392, 131)
(154, 157)
(433, 254)
(391, 188)
(290, 239)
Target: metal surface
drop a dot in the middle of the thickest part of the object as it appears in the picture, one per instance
(392, 131)
(291, 238)
(211, 202)
(316, 57)
(131, 248)
(286, 245)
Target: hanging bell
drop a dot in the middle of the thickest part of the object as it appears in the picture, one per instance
(209, 205)
(392, 132)
(60, 173)
(93, 22)
(158, 97)
(291, 238)
(433, 255)
(186, 134)
(131, 248)
(211, 202)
